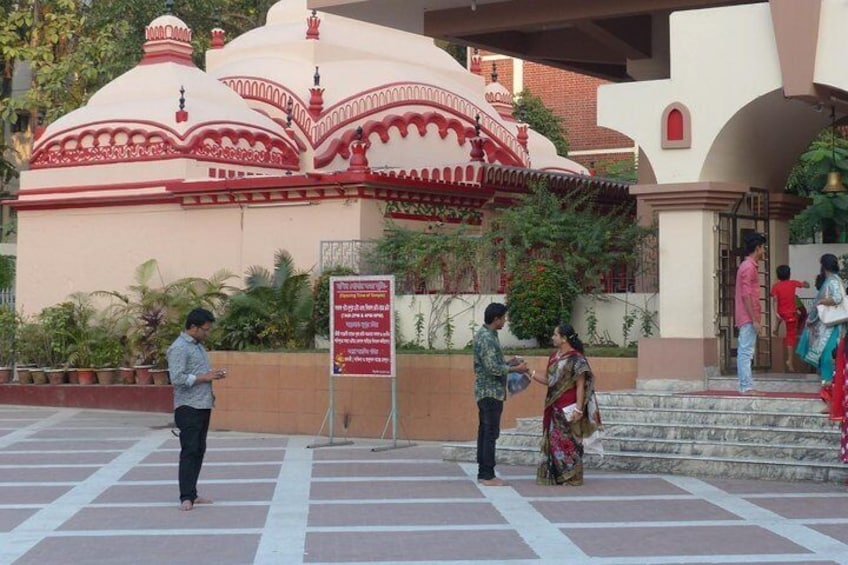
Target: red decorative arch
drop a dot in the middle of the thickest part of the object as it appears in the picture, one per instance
(132, 142)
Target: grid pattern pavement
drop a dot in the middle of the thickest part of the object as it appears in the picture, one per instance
(87, 486)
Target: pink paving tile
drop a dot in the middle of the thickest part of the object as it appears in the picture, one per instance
(387, 469)
(416, 546)
(173, 549)
(631, 511)
(228, 492)
(347, 453)
(167, 518)
(65, 445)
(41, 494)
(743, 486)
(393, 490)
(47, 474)
(682, 540)
(222, 456)
(412, 514)
(64, 458)
(224, 443)
(208, 472)
(11, 518)
(805, 507)
(648, 486)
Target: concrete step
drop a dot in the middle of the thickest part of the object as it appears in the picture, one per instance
(756, 437)
(790, 382)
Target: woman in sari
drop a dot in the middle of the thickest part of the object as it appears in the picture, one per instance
(818, 342)
(570, 382)
(839, 398)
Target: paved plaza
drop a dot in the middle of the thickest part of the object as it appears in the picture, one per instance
(84, 486)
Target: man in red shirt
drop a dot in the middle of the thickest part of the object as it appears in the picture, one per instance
(747, 310)
(783, 293)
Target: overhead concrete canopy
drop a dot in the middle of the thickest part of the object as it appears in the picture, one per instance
(611, 39)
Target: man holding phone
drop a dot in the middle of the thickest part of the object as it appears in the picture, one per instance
(191, 375)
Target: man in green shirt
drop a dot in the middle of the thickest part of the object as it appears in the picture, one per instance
(490, 372)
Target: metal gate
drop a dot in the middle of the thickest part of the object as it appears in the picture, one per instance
(749, 214)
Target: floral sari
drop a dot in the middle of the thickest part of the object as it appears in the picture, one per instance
(562, 441)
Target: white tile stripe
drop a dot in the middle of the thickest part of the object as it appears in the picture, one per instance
(45, 423)
(544, 538)
(284, 535)
(20, 540)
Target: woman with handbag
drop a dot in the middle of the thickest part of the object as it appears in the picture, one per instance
(825, 324)
(571, 412)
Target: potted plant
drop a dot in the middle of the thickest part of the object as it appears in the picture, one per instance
(8, 327)
(32, 349)
(106, 354)
(59, 322)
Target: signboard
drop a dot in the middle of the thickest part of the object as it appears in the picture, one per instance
(362, 326)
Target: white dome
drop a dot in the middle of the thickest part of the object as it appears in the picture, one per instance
(165, 107)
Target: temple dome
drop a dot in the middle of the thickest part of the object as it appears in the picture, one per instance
(138, 116)
(416, 104)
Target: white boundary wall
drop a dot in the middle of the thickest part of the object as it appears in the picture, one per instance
(466, 314)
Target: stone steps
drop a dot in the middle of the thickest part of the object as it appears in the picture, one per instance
(755, 437)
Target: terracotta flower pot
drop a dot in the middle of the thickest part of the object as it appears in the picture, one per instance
(55, 376)
(24, 375)
(160, 376)
(86, 376)
(142, 375)
(73, 376)
(126, 375)
(39, 377)
(5, 375)
(106, 376)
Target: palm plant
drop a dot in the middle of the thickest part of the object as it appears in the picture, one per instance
(273, 311)
(151, 315)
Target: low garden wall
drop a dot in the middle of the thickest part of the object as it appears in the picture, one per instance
(287, 393)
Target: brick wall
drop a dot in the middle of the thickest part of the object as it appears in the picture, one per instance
(571, 96)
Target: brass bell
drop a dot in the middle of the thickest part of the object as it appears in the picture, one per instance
(834, 183)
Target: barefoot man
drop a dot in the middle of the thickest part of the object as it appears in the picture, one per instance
(191, 375)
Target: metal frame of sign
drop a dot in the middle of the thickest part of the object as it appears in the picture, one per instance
(355, 348)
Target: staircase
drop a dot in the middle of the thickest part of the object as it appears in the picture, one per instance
(782, 436)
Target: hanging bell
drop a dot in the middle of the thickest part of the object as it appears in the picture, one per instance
(834, 183)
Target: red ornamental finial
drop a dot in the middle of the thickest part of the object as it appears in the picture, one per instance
(522, 135)
(316, 95)
(476, 62)
(313, 22)
(218, 38)
(358, 161)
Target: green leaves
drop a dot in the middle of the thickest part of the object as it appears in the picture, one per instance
(542, 119)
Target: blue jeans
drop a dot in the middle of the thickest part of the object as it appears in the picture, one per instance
(744, 356)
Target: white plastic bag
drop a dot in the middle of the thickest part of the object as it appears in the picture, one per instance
(594, 443)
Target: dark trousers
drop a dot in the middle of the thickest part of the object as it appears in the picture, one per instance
(488, 431)
(194, 425)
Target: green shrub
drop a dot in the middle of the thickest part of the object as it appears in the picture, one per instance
(539, 298)
(321, 299)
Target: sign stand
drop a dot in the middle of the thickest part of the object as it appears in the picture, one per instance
(394, 420)
(362, 341)
(331, 417)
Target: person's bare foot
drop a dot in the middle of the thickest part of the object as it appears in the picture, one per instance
(202, 500)
(494, 482)
(186, 505)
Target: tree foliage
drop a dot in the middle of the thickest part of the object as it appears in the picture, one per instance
(532, 110)
(565, 241)
(828, 213)
(321, 299)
